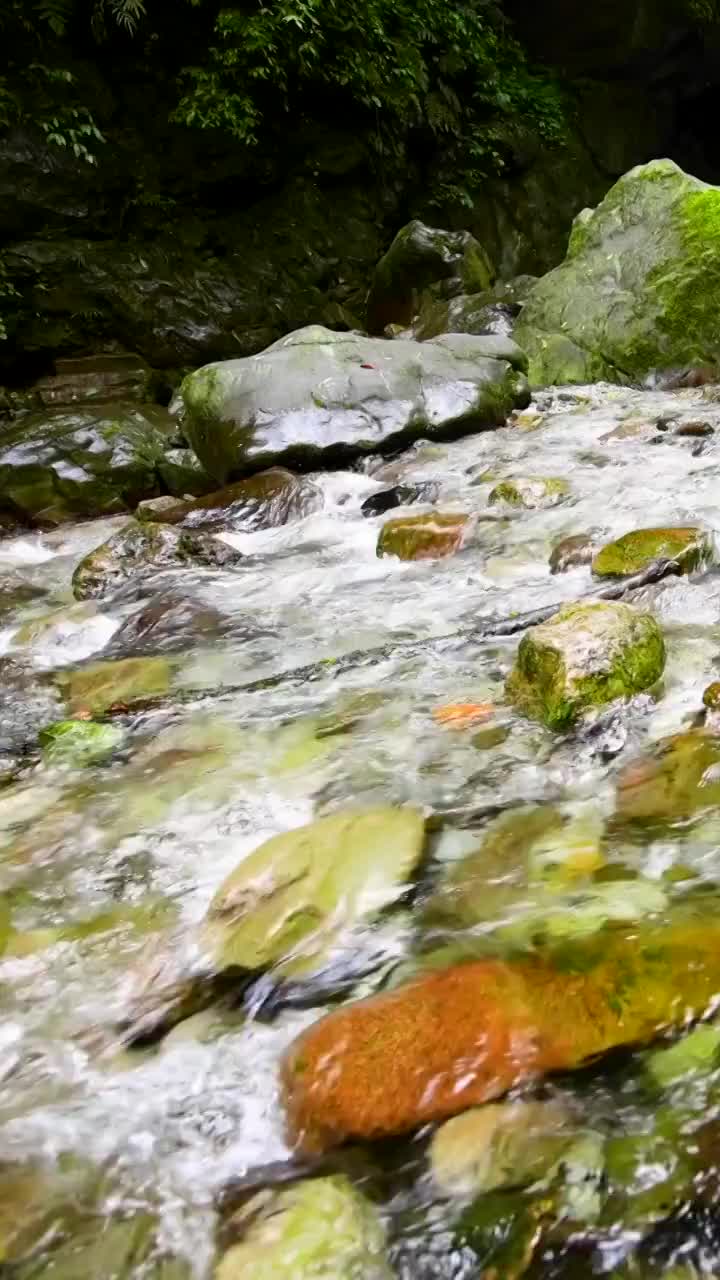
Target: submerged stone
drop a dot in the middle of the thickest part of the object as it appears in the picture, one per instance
(317, 396)
(79, 742)
(530, 491)
(98, 686)
(503, 1144)
(425, 537)
(677, 778)
(467, 1035)
(319, 1228)
(289, 900)
(134, 551)
(583, 657)
(633, 552)
(571, 552)
(695, 1054)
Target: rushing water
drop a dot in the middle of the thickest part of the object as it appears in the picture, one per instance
(96, 860)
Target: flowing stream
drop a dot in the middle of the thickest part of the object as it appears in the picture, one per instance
(97, 861)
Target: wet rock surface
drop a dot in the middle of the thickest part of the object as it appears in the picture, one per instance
(317, 396)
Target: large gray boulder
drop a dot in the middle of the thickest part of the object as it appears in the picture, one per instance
(638, 288)
(316, 397)
(423, 263)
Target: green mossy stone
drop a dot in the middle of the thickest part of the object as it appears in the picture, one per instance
(138, 548)
(504, 1144)
(288, 902)
(530, 492)
(79, 742)
(677, 779)
(711, 696)
(633, 552)
(695, 1054)
(320, 1228)
(584, 657)
(636, 290)
(100, 685)
(424, 537)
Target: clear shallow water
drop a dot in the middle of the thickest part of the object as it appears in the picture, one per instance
(141, 844)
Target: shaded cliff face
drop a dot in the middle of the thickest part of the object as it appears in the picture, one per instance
(179, 246)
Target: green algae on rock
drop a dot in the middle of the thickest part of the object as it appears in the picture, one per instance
(633, 552)
(321, 1227)
(288, 901)
(635, 292)
(99, 685)
(79, 742)
(425, 537)
(586, 655)
(531, 491)
(711, 696)
(677, 778)
(695, 1054)
(317, 396)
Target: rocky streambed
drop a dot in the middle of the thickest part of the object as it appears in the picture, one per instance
(507, 845)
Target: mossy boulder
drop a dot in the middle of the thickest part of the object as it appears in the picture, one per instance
(633, 552)
(58, 465)
(99, 685)
(263, 501)
(318, 397)
(678, 778)
(636, 290)
(79, 742)
(316, 1228)
(424, 537)
(583, 657)
(530, 491)
(467, 1035)
(423, 263)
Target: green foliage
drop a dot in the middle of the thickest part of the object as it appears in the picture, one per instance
(445, 72)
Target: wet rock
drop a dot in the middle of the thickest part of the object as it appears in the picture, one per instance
(711, 696)
(169, 622)
(465, 1036)
(401, 495)
(263, 501)
(633, 552)
(316, 397)
(571, 552)
(321, 1227)
(695, 1054)
(143, 548)
(584, 657)
(634, 429)
(504, 1231)
(85, 380)
(164, 510)
(508, 1144)
(133, 552)
(473, 313)
(99, 685)
(16, 590)
(288, 901)
(694, 430)
(419, 258)
(285, 907)
(530, 492)
(634, 292)
(426, 537)
(62, 464)
(183, 475)
(633, 1198)
(79, 742)
(678, 778)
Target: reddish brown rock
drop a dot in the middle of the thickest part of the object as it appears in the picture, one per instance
(425, 537)
(452, 1040)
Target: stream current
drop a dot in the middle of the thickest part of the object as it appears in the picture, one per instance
(97, 860)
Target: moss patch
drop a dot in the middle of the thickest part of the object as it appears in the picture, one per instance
(634, 551)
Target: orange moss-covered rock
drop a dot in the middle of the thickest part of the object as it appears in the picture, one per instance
(425, 537)
(454, 1039)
